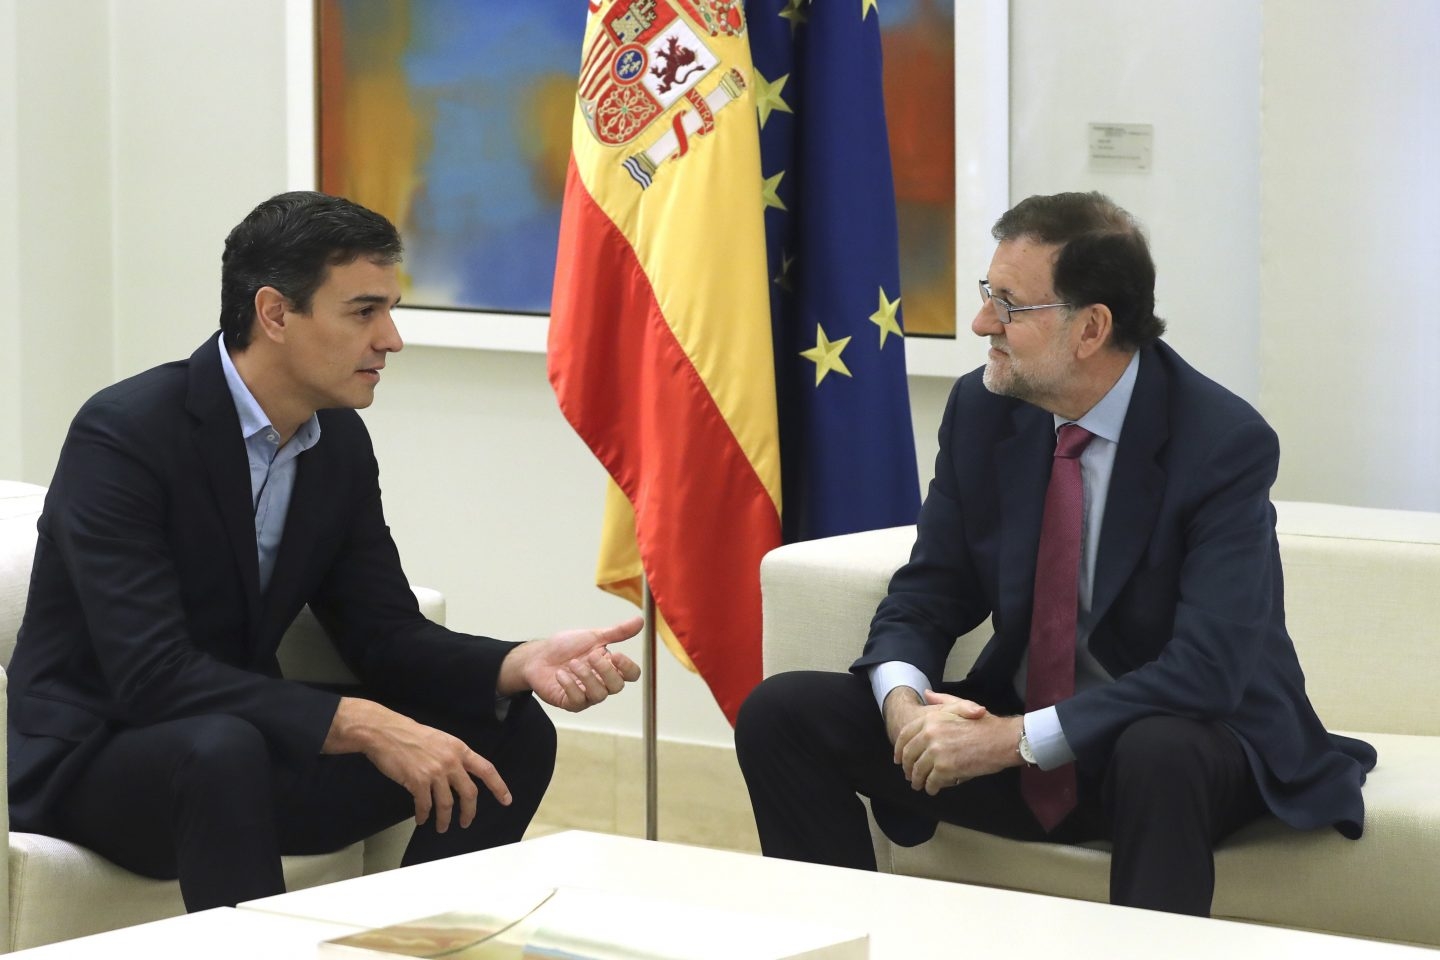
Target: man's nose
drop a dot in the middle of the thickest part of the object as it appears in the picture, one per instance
(986, 323)
(390, 340)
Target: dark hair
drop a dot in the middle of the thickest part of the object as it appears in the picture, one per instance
(290, 242)
(1103, 258)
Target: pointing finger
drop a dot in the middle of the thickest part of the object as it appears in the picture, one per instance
(620, 631)
(484, 771)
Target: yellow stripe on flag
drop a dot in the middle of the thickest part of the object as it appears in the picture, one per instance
(618, 570)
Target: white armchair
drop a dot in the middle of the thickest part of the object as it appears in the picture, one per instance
(1362, 600)
(56, 890)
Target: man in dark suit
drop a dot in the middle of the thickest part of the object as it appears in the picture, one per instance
(1107, 507)
(195, 509)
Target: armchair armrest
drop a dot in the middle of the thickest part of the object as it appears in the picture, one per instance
(819, 597)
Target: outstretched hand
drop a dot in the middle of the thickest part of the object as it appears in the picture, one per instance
(572, 669)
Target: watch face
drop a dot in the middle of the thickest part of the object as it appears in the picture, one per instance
(1026, 753)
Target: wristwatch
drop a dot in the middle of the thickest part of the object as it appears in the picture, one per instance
(1027, 755)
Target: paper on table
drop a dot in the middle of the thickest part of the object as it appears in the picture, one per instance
(570, 923)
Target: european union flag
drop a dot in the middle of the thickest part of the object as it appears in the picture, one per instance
(847, 448)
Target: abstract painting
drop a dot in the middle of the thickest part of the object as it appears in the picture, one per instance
(918, 43)
(452, 118)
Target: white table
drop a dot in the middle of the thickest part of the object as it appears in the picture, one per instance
(221, 934)
(907, 917)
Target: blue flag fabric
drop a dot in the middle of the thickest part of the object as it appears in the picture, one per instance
(846, 442)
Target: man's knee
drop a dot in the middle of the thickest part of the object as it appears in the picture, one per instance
(221, 756)
(769, 708)
(795, 711)
(522, 747)
(1163, 753)
(532, 732)
(218, 743)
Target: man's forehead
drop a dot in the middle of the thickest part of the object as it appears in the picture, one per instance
(362, 277)
(1023, 263)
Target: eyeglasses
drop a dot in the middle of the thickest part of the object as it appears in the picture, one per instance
(1004, 309)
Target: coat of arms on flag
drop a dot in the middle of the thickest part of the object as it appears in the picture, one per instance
(647, 56)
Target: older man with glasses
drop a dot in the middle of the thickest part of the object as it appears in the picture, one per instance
(1107, 508)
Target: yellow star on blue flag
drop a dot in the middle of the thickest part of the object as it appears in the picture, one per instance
(770, 191)
(767, 96)
(884, 317)
(794, 14)
(826, 355)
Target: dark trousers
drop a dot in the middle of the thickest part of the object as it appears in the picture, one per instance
(808, 743)
(204, 800)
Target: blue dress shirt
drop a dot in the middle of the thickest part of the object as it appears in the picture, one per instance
(272, 467)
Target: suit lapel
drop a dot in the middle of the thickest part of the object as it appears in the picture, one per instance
(1137, 483)
(1023, 472)
(222, 450)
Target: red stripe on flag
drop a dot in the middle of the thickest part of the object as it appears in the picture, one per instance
(703, 517)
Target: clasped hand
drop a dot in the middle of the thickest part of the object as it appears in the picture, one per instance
(947, 740)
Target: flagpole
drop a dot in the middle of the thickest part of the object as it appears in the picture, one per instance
(652, 793)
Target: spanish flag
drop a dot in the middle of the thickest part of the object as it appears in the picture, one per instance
(660, 344)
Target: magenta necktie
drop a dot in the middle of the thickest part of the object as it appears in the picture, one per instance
(1050, 675)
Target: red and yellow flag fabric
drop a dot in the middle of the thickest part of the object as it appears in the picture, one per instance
(660, 345)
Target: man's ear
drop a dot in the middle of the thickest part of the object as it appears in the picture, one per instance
(270, 308)
(1097, 324)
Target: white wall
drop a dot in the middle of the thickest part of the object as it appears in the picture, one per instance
(62, 294)
(146, 128)
(199, 138)
(1351, 249)
(11, 461)
(1192, 70)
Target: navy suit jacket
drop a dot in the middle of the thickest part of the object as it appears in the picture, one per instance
(145, 604)
(1188, 597)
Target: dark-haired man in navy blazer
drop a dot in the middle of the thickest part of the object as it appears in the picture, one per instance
(1181, 713)
(196, 508)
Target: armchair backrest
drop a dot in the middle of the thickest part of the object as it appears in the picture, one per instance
(1362, 603)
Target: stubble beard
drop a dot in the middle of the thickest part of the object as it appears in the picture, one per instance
(994, 379)
(1002, 379)
(1005, 378)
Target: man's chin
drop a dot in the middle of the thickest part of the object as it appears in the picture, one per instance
(995, 379)
(355, 400)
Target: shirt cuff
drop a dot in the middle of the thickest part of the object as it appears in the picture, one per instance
(1047, 739)
(886, 676)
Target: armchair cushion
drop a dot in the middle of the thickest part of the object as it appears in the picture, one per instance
(59, 890)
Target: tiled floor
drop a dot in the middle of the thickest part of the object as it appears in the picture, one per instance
(599, 785)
